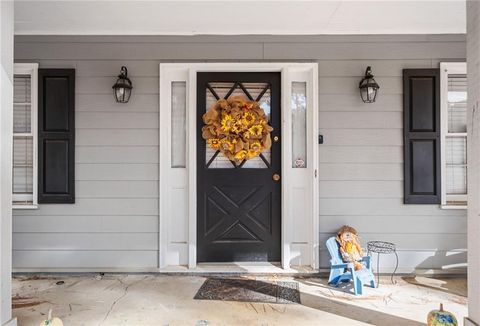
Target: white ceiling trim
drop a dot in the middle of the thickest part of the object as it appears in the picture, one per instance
(238, 17)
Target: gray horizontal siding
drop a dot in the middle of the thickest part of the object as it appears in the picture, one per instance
(116, 189)
(361, 171)
(85, 223)
(360, 154)
(362, 50)
(231, 50)
(116, 154)
(414, 241)
(362, 137)
(379, 206)
(117, 137)
(116, 171)
(349, 103)
(116, 120)
(86, 241)
(99, 206)
(416, 260)
(147, 103)
(431, 225)
(114, 222)
(88, 260)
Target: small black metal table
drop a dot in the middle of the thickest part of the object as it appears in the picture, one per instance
(382, 247)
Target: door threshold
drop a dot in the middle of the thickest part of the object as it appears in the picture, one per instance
(239, 268)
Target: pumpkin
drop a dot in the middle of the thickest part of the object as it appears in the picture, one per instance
(441, 318)
(51, 321)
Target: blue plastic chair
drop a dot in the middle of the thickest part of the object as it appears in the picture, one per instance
(344, 272)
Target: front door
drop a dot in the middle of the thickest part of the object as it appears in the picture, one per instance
(239, 204)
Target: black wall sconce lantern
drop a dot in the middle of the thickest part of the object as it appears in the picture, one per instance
(368, 87)
(123, 87)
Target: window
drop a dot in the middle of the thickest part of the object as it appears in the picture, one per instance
(453, 92)
(260, 92)
(179, 124)
(299, 124)
(24, 170)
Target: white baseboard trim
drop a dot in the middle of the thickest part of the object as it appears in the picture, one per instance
(11, 322)
(238, 268)
(400, 271)
(415, 272)
(468, 322)
(85, 270)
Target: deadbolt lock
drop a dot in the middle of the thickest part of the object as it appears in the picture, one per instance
(276, 177)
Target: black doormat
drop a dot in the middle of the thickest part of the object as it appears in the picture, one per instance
(235, 289)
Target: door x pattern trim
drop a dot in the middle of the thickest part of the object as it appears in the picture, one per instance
(244, 208)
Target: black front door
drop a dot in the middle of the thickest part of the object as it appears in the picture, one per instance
(238, 205)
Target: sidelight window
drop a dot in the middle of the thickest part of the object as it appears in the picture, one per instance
(299, 124)
(179, 124)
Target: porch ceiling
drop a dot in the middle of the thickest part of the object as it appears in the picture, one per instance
(238, 17)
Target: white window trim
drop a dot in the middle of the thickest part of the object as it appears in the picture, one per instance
(32, 70)
(448, 68)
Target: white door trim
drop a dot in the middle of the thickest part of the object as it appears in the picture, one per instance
(177, 230)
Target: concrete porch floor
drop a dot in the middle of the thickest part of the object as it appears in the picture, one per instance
(152, 299)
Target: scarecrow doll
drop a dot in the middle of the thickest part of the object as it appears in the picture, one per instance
(350, 248)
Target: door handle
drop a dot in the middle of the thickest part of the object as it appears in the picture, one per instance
(276, 177)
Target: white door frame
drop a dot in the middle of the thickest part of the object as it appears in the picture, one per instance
(178, 186)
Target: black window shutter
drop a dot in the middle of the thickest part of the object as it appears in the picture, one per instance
(421, 107)
(56, 136)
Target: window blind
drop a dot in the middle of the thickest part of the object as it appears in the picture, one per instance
(456, 167)
(22, 185)
(456, 138)
(22, 165)
(457, 103)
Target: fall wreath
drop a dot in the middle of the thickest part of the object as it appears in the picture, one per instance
(238, 128)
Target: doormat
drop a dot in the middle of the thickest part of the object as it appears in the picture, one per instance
(235, 289)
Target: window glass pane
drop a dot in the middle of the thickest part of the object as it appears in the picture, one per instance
(22, 165)
(21, 118)
(299, 124)
(218, 160)
(21, 89)
(457, 103)
(260, 92)
(221, 90)
(456, 180)
(456, 167)
(257, 162)
(179, 131)
(21, 105)
(456, 150)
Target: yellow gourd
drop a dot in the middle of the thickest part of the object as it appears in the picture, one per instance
(51, 321)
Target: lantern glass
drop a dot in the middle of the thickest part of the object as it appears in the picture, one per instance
(368, 87)
(122, 90)
(122, 94)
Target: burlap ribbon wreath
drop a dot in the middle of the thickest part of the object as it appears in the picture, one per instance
(238, 128)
